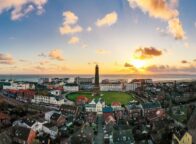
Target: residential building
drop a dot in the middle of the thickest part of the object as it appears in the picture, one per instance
(48, 99)
(71, 87)
(96, 105)
(23, 135)
(50, 129)
(181, 136)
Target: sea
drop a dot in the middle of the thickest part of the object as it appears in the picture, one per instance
(129, 77)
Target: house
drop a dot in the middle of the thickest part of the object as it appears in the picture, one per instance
(111, 86)
(116, 105)
(25, 95)
(69, 110)
(19, 86)
(81, 100)
(23, 135)
(132, 86)
(48, 99)
(5, 138)
(181, 136)
(122, 137)
(4, 119)
(71, 87)
(83, 136)
(57, 119)
(96, 105)
(134, 110)
(85, 83)
(110, 120)
(149, 107)
(91, 117)
(56, 92)
(107, 111)
(29, 123)
(50, 129)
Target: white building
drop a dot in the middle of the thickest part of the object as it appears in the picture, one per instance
(96, 105)
(19, 86)
(132, 86)
(71, 87)
(111, 87)
(55, 100)
(30, 123)
(48, 115)
(50, 129)
(56, 92)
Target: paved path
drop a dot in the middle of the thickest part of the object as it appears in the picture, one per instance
(100, 134)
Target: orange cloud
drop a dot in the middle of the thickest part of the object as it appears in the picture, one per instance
(164, 10)
(6, 59)
(176, 29)
(147, 53)
(56, 54)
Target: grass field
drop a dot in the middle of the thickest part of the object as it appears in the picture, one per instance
(109, 97)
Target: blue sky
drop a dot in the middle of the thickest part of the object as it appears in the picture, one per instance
(26, 36)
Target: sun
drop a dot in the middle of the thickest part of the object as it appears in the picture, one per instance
(138, 63)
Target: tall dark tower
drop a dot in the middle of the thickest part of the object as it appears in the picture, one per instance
(96, 90)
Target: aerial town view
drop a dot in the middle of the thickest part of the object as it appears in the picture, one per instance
(97, 72)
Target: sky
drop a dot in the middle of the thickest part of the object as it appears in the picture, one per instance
(121, 36)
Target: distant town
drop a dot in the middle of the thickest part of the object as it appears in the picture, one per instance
(87, 110)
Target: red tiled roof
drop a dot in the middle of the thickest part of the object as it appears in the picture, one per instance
(79, 98)
(116, 104)
(3, 116)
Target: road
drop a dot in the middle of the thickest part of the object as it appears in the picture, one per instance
(100, 134)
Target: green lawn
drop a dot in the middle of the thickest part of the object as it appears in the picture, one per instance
(109, 97)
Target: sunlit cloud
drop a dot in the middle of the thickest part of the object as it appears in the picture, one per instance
(56, 54)
(74, 40)
(164, 10)
(108, 20)
(6, 59)
(70, 25)
(184, 62)
(20, 8)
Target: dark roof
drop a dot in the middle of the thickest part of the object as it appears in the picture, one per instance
(179, 132)
(21, 132)
(122, 137)
(150, 105)
(83, 136)
(29, 122)
(107, 109)
(55, 116)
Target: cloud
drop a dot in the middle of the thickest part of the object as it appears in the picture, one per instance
(6, 59)
(128, 65)
(89, 29)
(70, 25)
(43, 62)
(20, 8)
(165, 10)
(108, 20)
(184, 62)
(74, 40)
(176, 29)
(56, 54)
(102, 51)
(147, 53)
(171, 69)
